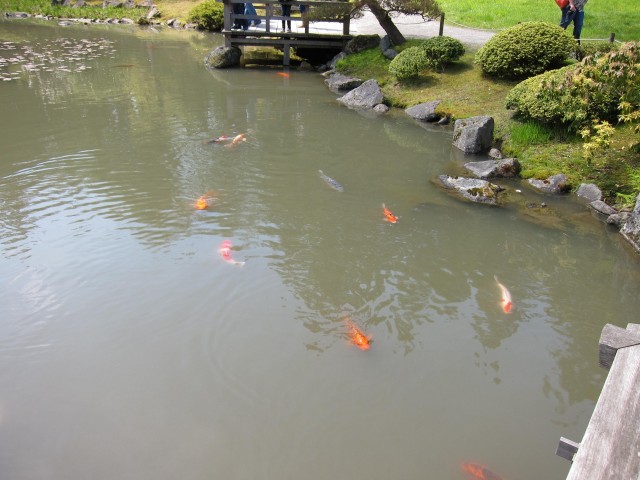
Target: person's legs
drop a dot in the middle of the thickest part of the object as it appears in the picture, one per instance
(286, 12)
(567, 16)
(578, 21)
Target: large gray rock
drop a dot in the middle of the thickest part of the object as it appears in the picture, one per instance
(507, 167)
(474, 134)
(473, 189)
(367, 95)
(338, 81)
(424, 112)
(554, 184)
(631, 229)
(223, 57)
(360, 43)
(589, 191)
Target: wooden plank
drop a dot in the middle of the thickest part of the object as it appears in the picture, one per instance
(610, 449)
(567, 448)
(611, 340)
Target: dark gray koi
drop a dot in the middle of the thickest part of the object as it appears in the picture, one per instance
(331, 182)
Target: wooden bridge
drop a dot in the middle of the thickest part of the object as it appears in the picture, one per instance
(610, 448)
(270, 32)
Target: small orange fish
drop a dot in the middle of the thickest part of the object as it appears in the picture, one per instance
(225, 252)
(476, 471)
(201, 203)
(283, 74)
(505, 300)
(357, 337)
(388, 215)
(237, 139)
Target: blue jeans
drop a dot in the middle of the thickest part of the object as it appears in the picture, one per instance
(575, 16)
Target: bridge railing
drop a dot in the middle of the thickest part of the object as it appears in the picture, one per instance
(317, 11)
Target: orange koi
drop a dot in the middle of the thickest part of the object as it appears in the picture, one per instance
(357, 337)
(505, 300)
(479, 472)
(283, 74)
(237, 139)
(225, 252)
(202, 203)
(388, 215)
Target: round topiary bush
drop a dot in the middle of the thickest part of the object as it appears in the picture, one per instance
(442, 51)
(525, 50)
(408, 63)
(208, 15)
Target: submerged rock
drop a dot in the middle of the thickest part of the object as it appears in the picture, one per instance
(601, 207)
(508, 167)
(555, 184)
(473, 189)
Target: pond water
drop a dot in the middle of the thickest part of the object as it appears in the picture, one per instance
(130, 349)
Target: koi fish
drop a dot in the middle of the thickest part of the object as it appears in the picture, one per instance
(220, 139)
(388, 215)
(479, 472)
(283, 74)
(357, 337)
(505, 301)
(331, 182)
(237, 139)
(202, 203)
(225, 252)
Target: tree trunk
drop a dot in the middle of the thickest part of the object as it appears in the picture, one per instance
(385, 22)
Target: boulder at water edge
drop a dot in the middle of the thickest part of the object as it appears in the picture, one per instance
(474, 134)
(554, 184)
(631, 229)
(424, 112)
(338, 81)
(366, 96)
(507, 168)
(589, 191)
(473, 189)
(223, 57)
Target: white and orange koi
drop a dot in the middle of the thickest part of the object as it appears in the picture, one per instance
(505, 300)
(225, 252)
(236, 140)
(388, 215)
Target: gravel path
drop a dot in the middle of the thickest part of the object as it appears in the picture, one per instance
(411, 26)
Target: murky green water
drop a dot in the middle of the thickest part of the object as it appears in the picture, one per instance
(129, 349)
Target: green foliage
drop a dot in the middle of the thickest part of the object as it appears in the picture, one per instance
(594, 48)
(409, 63)
(441, 51)
(529, 133)
(45, 7)
(525, 50)
(208, 15)
(601, 88)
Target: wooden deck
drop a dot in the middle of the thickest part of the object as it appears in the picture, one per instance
(270, 33)
(610, 449)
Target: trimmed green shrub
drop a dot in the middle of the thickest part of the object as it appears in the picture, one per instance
(525, 50)
(409, 63)
(208, 15)
(442, 51)
(601, 88)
